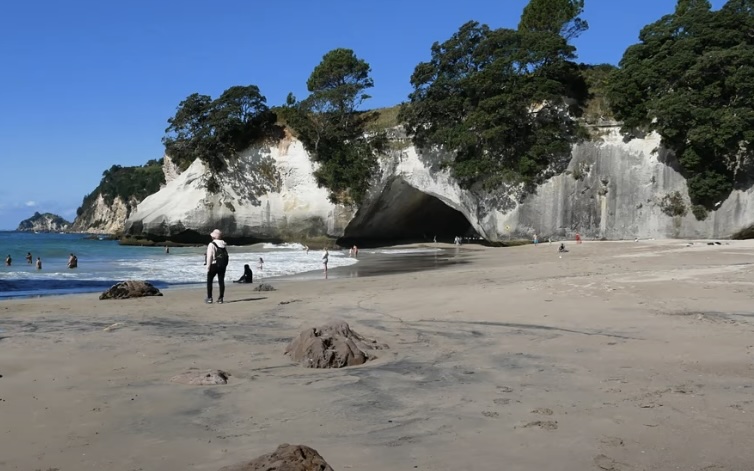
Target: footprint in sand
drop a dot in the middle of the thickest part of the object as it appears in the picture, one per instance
(612, 441)
(504, 389)
(607, 463)
(490, 414)
(543, 424)
(501, 401)
(542, 411)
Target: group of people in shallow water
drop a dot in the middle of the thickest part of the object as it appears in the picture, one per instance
(73, 261)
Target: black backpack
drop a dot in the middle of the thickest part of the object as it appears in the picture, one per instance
(221, 256)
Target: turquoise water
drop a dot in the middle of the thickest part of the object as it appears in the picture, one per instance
(103, 263)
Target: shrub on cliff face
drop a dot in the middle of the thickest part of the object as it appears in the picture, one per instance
(333, 129)
(691, 79)
(217, 130)
(127, 183)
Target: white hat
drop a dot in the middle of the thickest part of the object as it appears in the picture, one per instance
(216, 234)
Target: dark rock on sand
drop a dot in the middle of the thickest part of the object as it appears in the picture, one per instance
(285, 458)
(264, 287)
(195, 377)
(333, 345)
(130, 289)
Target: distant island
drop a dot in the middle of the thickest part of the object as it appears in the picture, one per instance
(46, 222)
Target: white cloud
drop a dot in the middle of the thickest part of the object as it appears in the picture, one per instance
(31, 204)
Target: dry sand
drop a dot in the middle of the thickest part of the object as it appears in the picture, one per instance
(617, 356)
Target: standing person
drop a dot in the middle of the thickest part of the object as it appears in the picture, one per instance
(39, 263)
(73, 261)
(260, 264)
(536, 239)
(167, 249)
(325, 259)
(29, 258)
(216, 261)
(355, 252)
(578, 238)
(8, 260)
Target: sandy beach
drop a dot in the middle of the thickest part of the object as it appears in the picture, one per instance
(615, 356)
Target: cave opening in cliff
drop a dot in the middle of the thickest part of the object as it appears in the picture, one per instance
(403, 214)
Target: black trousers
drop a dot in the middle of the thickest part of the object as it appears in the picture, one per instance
(220, 272)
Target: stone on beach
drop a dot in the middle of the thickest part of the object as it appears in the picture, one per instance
(285, 458)
(332, 345)
(264, 287)
(130, 289)
(195, 377)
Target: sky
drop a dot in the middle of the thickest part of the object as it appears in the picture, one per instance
(86, 84)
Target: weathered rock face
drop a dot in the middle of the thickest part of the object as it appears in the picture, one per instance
(130, 289)
(269, 193)
(285, 458)
(611, 189)
(101, 217)
(46, 222)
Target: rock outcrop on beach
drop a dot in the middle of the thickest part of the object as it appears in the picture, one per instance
(612, 188)
(46, 222)
(333, 345)
(130, 289)
(285, 458)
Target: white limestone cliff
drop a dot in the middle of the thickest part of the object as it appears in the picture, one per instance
(101, 217)
(611, 189)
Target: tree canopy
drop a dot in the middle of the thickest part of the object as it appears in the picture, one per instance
(333, 129)
(691, 79)
(559, 17)
(216, 130)
(497, 100)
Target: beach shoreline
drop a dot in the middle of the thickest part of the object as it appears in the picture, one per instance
(614, 355)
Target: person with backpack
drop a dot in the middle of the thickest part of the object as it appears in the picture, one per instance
(216, 261)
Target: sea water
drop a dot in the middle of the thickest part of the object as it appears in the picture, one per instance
(103, 263)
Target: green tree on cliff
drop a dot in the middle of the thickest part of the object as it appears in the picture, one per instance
(216, 130)
(559, 17)
(691, 79)
(496, 99)
(332, 128)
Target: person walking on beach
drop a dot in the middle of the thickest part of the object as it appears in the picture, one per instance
(73, 261)
(260, 264)
(325, 259)
(8, 261)
(29, 258)
(536, 239)
(39, 263)
(217, 261)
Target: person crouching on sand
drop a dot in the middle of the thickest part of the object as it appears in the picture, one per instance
(247, 277)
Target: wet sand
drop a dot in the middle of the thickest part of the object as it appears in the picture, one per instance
(617, 356)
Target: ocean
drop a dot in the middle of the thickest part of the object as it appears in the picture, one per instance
(103, 263)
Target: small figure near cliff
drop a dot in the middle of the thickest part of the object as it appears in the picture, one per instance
(578, 238)
(306, 247)
(260, 263)
(39, 263)
(29, 258)
(325, 259)
(355, 252)
(217, 262)
(536, 239)
(562, 248)
(247, 277)
(8, 260)
(73, 261)
(167, 249)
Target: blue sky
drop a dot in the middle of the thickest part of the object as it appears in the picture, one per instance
(86, 84)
